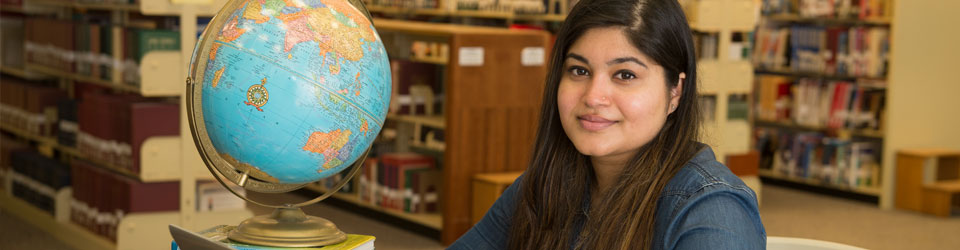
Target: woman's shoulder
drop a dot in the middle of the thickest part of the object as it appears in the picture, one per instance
(705, 206)
(703, 175)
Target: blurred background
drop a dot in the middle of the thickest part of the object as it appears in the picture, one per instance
(840, 114)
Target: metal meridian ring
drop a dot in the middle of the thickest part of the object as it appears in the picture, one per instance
(356, 166)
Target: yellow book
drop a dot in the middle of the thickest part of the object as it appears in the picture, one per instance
(219, 234)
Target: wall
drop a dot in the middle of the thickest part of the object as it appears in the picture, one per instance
(923, 97)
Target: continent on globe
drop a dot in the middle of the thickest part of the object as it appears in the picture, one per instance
(335, 147)
(216, 77)
(341, 30)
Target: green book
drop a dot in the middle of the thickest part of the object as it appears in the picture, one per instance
(150, 40)
(219, 233)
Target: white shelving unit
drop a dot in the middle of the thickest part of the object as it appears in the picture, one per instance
(164, 158)
(723, 76)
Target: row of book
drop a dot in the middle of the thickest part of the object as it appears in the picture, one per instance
(29, 107)
(113, 127)
(415, 4)
(425, 76)
(814, 156)
(820, 104)
(841, 51)
(406, 182)
(8, 145)
(706, 46)
(86, 46)
(859, 9)
(36, 178)
(512, 6)
(101, 198)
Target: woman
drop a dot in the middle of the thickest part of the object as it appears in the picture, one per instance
(616, 163)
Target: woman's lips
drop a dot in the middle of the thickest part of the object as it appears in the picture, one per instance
(594, 123)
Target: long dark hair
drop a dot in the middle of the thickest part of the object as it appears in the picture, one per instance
(554, 187)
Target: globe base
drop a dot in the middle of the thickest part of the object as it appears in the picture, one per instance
(287, 227)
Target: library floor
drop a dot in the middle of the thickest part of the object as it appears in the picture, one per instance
(785, 212)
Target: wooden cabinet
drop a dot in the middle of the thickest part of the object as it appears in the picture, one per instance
(491, 99)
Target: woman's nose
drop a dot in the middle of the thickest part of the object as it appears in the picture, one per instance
(597, 93)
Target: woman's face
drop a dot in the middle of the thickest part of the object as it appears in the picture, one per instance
(612, 98)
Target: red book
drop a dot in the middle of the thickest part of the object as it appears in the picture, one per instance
(136, 196)
(399, 164)
(148, 119)
(784, 101)
(840, 95)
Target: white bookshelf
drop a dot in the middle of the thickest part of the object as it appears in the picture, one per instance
(723, 76)
(163, 158)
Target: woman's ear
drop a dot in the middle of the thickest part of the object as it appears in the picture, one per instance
(676, 92)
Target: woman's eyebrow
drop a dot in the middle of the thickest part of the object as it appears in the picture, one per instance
(578, 57)
(626, 59)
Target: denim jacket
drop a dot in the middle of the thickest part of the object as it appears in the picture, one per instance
(704, 206)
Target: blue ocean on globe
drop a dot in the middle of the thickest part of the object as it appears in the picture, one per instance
(298, 90)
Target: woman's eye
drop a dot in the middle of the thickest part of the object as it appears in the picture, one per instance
(624, 75)
(578, 71)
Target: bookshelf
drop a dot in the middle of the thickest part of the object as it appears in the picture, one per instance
(869, 191)
(487, 110)
(158, 153)
(723, 73)
(64, 231)
(162, 7)
(431, 220)
(794, 18)
(24, 74)
(157, 76)
(877, 134)
(506, 15)
(162, 158)
(878, 82)
(822, 94)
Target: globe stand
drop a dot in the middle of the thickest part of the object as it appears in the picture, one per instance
(287, 227)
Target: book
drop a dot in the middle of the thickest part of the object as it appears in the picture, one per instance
(819, 158)
(399, 166)
(219, 234)
(102, 198)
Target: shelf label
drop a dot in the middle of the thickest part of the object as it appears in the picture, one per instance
(532, 56)
(471, 56)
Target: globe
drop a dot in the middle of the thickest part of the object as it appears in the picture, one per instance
(289, 91)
